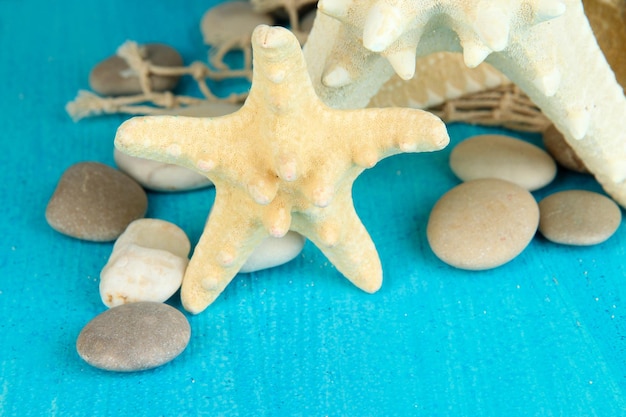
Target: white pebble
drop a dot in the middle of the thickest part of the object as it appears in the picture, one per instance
(159, 176)
(147, 263)
(274, 251)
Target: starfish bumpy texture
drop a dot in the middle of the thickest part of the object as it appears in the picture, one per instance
(284, 161)
(546, 47)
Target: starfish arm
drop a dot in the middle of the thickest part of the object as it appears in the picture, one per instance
(231, 234)
(343, 239)
(203, 145)
(196, 143)
(394, 130)
(585, 102)
(336, 79)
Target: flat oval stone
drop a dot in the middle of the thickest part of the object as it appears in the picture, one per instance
(134, 337)
(93, 201)
(113, 77)
(578, 217)
(560, 150)
(503, 157)
(147, 263)
(482, 224)
(159, 176)
(274, 251)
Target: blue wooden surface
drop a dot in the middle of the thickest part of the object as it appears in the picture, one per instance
(544, 335)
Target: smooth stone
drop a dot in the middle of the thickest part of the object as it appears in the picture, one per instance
(578, 217)
(555, 144)
(134, 337)
(505, 158)
(161, 176)
(93, 201)
(231, 20)
(113, 77)
(274, 251)
(147, 263)
(482, 224)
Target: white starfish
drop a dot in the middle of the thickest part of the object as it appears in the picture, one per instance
(544, 46)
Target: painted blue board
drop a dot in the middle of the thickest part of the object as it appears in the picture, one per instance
(544, 335)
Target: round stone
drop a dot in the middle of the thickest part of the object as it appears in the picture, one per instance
(95, 202)
(274, 251)
(134, 337)
(560, 150)
(147, 263)
(578, 217)
(113, 77)
(503, 157)
(482, 224)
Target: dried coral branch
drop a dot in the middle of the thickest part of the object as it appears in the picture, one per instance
(292, 7)
(228, 27)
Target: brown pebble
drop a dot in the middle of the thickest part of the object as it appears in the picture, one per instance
(560, 150)
(503, 157)
(134, 337)
(111, 77)
(95, 202)
(482, 224)
(578, 217)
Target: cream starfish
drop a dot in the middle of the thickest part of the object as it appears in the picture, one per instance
(284, 161)
(546, 47)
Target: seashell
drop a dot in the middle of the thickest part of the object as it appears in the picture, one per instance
(440, 77)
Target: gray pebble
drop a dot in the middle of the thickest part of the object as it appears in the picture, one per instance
(503, 157)
(112, 77)
(93, 201)
(482, 224)
(578, 217)
(134, 337)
